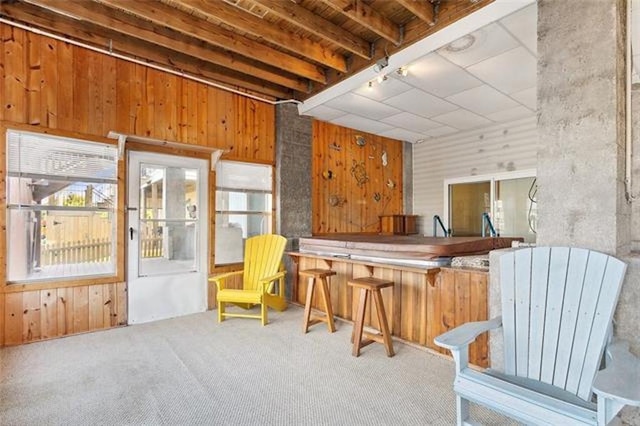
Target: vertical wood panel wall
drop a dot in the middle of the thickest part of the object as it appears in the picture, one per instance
(54, 86)
(343, 199)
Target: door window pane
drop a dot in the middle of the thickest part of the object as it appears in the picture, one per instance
(168, 220)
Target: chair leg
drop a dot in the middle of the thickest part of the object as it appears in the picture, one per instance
(220, 311)
(462, 408)
(327, 305)
(307, 305)
(382, 323)
(356, 336)
(263, 313)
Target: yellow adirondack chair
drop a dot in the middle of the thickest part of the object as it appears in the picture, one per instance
(262, 268)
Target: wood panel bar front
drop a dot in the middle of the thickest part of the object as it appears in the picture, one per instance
(422, 304)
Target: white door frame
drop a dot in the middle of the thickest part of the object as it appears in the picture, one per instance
(170, 294)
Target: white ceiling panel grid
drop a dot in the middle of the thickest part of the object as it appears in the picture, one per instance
(482, 76)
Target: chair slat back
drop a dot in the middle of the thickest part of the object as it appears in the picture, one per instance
(557, 307)
(262, 257)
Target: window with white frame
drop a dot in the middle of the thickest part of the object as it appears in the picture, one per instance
(507, 199)
(243, 207)
(61, 204)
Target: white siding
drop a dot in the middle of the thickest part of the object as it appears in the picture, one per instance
(496, 149)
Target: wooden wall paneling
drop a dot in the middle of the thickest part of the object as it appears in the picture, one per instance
(479, 311)
(109, 94)
(48, 313)
(122, 307)
(13, 318)
(80, 309)
(360, 211)
(2, 318)
(48, 84)
(81, 92)
(31, 320)
(124, 120)
(447, 301)
(65, 87)
(462, 281)
(221, 121)
(96, 306)
(15, 74)
(434, 311)
(201, 115)
(65, 311)
(164, 120)
(34, 78)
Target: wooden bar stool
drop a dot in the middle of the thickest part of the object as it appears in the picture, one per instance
(370, 285)
(313, 275)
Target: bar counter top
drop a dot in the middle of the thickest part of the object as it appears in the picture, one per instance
(401, 246)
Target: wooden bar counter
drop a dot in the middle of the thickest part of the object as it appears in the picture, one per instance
(423, 303)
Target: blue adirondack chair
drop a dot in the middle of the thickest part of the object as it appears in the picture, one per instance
(557, 310)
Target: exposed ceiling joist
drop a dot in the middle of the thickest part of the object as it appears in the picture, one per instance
(282, 49)
(110, 19)
(303, 18)
(368, 17)
(423, 9)
(247, 22)
(188, 24)
(122, 44)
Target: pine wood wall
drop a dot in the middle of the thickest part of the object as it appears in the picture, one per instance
(360, 188)
(59, 88)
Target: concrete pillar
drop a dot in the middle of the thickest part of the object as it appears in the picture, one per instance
(293, 177)
(581, 110)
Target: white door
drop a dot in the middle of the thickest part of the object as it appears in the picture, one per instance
(167, 236)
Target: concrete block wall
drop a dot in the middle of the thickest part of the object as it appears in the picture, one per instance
(293, 177)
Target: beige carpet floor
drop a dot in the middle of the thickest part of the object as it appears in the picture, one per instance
(193, 371)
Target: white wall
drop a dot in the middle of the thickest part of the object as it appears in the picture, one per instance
(495, 149)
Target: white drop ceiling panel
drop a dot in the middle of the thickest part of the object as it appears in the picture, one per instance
(381, 91)
(360, 123)
(527, 97)
(439, 77)
(440, 131)
(411, 122)
(483, 100)
(523, 24)
(356, 104)
(473, 82)
(420, 103)
(508, 72)
(403, 135)
(479, 45)
(462, 119)
(510, 114)
(325, 113)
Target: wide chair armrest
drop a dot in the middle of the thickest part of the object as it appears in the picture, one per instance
(620, 380)
(220, 279)
(465, 334)
(264, 282)
(459, 339)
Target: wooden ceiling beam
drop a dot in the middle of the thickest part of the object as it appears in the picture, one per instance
(100, 15)
(244, 21)
(365, 15)
(122, 44)
(213, 34)
(423, 9)
(307, 20)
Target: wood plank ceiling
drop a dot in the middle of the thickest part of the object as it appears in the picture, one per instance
(277, 49)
